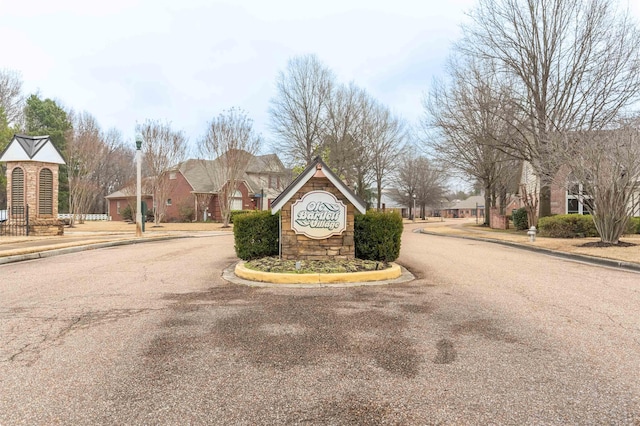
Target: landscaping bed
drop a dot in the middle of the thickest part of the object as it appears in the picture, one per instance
(276, 265)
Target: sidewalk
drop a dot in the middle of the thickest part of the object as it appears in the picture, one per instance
(625, 257)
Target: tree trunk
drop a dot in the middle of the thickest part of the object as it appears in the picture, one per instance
(545, 201)
(487, 204)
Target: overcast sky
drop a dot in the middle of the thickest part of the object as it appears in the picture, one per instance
(185, 61)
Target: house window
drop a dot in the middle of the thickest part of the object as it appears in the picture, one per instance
(45, 193)
(578, 200)
(17, 191)
(168, 201)
(118, 207)
(236, 202)
(172, 175)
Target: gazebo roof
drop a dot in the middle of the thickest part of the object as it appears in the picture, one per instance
(32, 148)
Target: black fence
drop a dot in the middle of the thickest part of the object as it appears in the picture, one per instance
(14, 221)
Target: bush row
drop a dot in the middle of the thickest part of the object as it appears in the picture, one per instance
(567, 226)
(376, 235)
(576, 226)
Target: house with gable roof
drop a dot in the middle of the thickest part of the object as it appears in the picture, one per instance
(195, 185)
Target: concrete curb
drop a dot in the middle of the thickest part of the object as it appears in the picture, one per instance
(229, 274)
(599, 261)
(75, 249)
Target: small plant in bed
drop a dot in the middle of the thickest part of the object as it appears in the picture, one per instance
(276, 265)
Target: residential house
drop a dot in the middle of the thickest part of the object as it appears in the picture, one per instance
(471, 207)
(195, 186)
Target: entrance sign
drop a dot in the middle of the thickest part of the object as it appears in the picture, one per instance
(319, 215)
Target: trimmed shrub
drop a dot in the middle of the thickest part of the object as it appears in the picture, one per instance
(567, 226)
(634, 225)
(235, 213)
(256, 234)
(520, 219)
(127, 214)
(377, 235)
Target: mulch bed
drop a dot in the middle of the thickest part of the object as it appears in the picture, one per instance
(603, 244)
(274, 264)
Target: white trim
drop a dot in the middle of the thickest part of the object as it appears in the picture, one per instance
(275, 208)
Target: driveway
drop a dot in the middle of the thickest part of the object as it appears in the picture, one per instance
(150, 334)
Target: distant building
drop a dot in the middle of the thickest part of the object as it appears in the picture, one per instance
(471, 207)
(196, 185)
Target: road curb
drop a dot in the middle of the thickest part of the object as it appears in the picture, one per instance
(75, 249)
(611, 263)
(229, 274)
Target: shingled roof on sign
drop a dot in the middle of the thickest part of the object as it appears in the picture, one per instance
(320, 169)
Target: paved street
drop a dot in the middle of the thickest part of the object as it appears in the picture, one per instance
(150, 334)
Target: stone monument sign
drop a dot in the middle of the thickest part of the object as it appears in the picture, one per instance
(317, 216)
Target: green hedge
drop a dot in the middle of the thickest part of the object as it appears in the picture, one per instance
(256, 234)
(520, 219)
(377, 236)
(567, 226)
(634, 225)
(235, 213)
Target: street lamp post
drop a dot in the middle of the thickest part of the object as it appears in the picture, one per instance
(414, 207)
(138, 186)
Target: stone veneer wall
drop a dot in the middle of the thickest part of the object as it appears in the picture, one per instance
(300, 247)
(31, 175)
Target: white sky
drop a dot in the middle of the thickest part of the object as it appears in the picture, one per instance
(187, 60)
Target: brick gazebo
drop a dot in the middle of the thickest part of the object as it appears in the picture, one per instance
(32, 185)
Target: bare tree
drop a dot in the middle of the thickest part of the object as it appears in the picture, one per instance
(85, 151)
(116, 169)
(299, 108)
(417, 178)
(604, 175)
(11, 97)
(342, 135)
(468, 122)
(385, 138)
(576, 65)
(231, 144)
(163, 148)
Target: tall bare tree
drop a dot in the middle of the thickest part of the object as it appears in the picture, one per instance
(468, 121)
(230, 143)
(385, 139)
(85, 151)
(342, 134)
(162, 149)
(418, 180)
(11, 97)
(299, 108)
(576, 65)
(604, 175)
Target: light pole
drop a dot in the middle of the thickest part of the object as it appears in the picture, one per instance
(414, 207)
(138, 186)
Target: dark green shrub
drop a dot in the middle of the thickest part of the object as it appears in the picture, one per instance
(235, 213)
(256, 234)
(520, 219)
(377, 236)
(634, 225)
(127, 213)
(567, 226)
(187, 212)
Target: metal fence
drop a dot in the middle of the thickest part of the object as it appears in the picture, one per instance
(14, 221)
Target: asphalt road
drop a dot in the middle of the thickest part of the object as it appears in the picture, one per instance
(150, 334)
